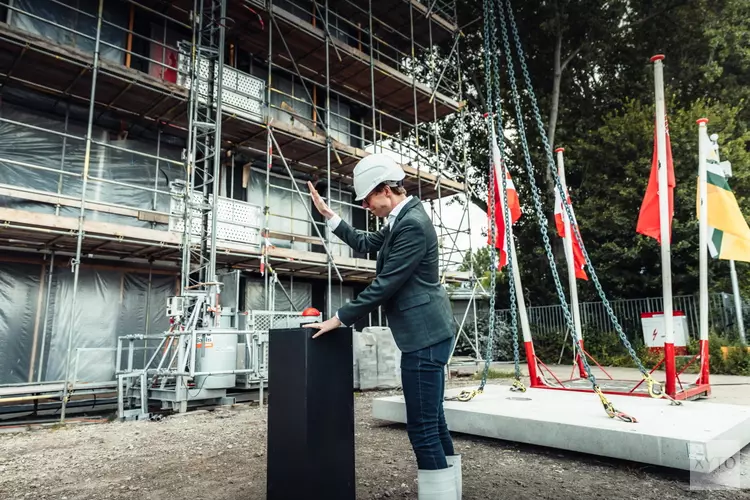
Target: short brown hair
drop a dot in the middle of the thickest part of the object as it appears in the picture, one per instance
(399, 190)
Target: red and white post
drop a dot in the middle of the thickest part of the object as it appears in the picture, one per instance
(703, 145)
(664, 226)
(525, 329)
(573, 285)
(524, 317)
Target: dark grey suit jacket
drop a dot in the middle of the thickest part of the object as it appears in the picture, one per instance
(407, 283)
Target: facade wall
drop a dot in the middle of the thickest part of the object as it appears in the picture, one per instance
(37, 317)
(51, 163)
(132, 165)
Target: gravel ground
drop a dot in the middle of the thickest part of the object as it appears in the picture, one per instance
(220, 454)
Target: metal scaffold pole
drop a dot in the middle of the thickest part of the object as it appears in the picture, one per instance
(204, 146)
(154, 101)
(267, 282)
(82, 214)
(329, 298)
(467, 207)
(372, 76)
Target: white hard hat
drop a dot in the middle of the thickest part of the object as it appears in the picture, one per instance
(373, 170)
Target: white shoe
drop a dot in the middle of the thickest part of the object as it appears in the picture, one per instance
(454, 461)
(437, 484)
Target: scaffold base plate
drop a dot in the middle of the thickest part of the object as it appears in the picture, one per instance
(664, 434)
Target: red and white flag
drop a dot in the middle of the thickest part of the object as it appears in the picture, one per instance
(495, 193)
(579, 262)
(649, 217)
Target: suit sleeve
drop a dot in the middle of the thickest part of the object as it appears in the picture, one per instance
(360, 241)
(409, 247)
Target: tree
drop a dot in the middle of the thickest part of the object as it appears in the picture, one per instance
(628, 264)
(600, 107)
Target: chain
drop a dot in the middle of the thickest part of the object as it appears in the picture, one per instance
(491, 69)
(568, 210)
(490, 62)
(608, 407)
(511, 282)
(498, 126)
(535, 190)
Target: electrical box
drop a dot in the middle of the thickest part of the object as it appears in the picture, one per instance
(175, 307)
(654, 333)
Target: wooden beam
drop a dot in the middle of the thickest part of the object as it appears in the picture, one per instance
(303, 26)
(129, 43)
(53, 199)
(94, 227)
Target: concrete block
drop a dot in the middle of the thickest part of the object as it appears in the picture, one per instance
(366, 353)
(377, 359)
(389, 358)
(664, 435)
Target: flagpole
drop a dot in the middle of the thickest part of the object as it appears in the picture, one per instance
(568, 242)
(664, 226)
(737, 302)
(732, 269)
(525, 328)
(703, 244)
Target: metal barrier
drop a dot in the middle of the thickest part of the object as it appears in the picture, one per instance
(550, 319)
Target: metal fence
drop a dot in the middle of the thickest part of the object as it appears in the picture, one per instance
(594, 316)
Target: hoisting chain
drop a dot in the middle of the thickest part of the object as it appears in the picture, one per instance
(654, 388)
(517, 384)
(491, 68)
(542, 219)
(496, 130)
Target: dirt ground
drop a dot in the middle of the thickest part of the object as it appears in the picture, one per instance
(220, 455)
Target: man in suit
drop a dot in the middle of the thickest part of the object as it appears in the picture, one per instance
(407, 286)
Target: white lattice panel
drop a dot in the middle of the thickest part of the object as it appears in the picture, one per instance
(241, 93)
(177, 213)
(236, 221)
(239, 212)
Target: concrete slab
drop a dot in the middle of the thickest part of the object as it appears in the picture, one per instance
(732, 389)
(665, 435)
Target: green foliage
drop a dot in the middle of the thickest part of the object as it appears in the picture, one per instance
(628, 264)
(608, 350)
(737, 361)
(479, 261)
(606, 124)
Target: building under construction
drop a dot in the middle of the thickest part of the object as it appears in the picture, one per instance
(154, 152)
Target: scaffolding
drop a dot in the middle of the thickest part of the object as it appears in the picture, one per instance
(165, 145)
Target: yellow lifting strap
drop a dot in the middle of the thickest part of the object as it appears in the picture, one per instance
(465, 395)
(469, 394)
(610, 409)
(655, 390)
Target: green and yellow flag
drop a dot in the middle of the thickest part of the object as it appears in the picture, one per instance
(728, 232)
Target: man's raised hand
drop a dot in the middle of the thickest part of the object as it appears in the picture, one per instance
(319, 203)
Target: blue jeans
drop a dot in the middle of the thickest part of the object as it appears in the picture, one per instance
(423, 381)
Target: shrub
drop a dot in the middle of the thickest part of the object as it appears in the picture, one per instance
(606, 347)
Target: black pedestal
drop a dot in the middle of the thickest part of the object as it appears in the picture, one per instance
(310, 415)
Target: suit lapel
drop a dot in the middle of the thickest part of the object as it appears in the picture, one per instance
(384, 252)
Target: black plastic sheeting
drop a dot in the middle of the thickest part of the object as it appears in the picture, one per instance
(108, 304)
(24, 150)
(75, 29)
